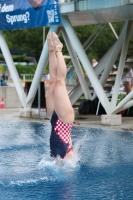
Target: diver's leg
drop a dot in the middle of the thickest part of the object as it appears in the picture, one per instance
(63, 106)
(53, 70)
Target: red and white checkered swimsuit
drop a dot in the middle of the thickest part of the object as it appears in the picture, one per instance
(60, 137)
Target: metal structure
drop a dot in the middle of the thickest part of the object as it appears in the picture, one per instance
(85, 12)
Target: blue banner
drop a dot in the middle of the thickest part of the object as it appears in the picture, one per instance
(19, 14)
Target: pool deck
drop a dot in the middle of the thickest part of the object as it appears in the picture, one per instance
(84, 120)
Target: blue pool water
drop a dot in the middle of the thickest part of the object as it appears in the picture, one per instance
(27, 172)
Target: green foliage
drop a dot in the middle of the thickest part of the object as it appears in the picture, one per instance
(32, 39)
(46, 70)
(19, 58)
(102, 43)
(26, 69)
(2, 69)
(26, 39)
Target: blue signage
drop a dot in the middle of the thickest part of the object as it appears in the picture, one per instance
(19, 14)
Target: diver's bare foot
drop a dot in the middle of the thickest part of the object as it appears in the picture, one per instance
(50, 43)
(56, 42)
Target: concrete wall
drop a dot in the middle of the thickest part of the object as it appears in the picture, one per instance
(10, 96)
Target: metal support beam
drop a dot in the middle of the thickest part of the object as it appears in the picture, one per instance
(121, 64)
(77, 66)
(43, 35)
(87, 41)
(124, 103)
(86, 45)
(92, 35)
(106, 64)
(12, 69)
(95, 37)
(86, 64)
(112, 28)
(110, 57)
(39, 98)
(38, 74)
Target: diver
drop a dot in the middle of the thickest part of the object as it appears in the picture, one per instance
(58, 104)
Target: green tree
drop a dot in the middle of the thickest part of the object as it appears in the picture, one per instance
(32, 39)
(2, 69)
(19, 58)
(102, 43)
(26, 39)
(26, 69)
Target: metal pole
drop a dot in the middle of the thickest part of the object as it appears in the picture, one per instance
(88, 40)
(86, 64)
(109, 58)
(43, 35)
(12, 69)
(77, 66)
(95, 37)
(121, 64)
(39, 98)
(91, 36)
(106, 64)
(123, 104)
(40, 68)
(112, 28)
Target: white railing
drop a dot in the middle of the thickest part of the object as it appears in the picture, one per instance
(26, 77)
(29, 77)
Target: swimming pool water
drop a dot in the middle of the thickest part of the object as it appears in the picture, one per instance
(27, 172)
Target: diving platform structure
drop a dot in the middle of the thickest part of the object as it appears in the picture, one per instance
(86, 12)
(78, 13)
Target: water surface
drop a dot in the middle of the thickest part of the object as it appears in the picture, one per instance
(27, 172)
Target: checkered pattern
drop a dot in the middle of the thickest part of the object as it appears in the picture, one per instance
(63, 130)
